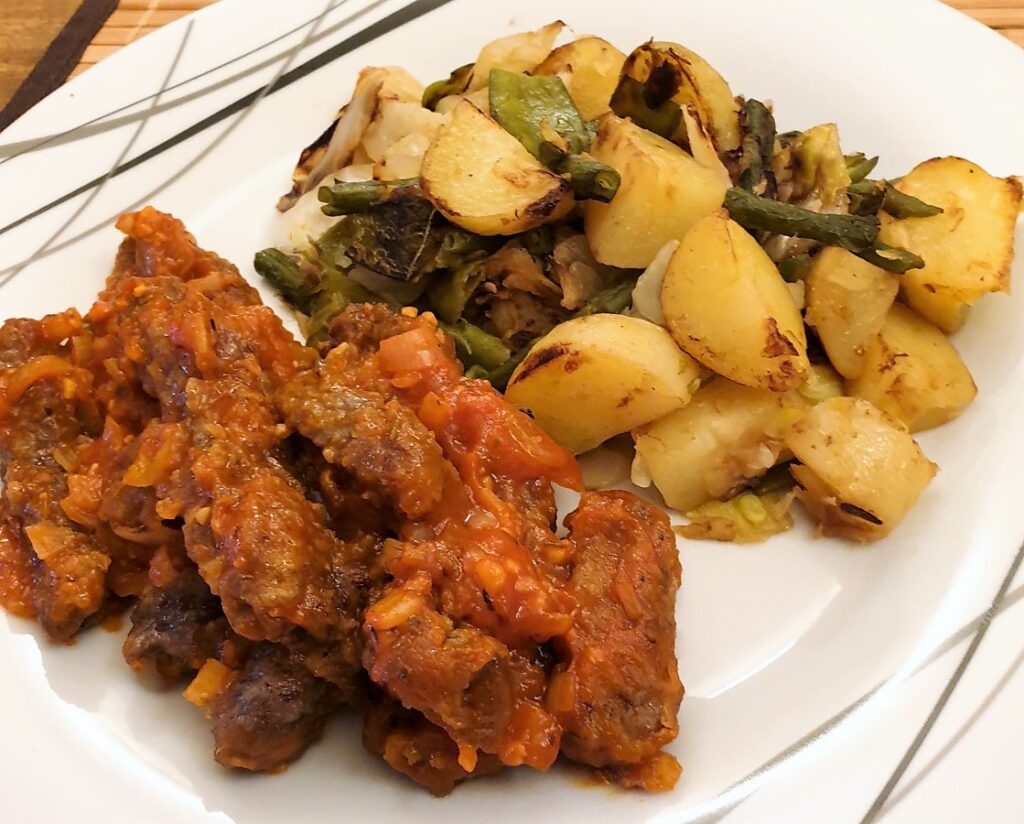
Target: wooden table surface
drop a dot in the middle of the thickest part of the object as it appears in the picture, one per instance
(27, 27)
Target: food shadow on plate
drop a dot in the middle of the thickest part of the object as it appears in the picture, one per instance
(160, 729)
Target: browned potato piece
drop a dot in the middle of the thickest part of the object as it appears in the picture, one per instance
(600, 375)
(913, 373)
(483, 179)
(727, 306)
(694, 84)
(663, 192)
(727, 435)
(590, 68)
(514, 53)
(859, 470)
(967, 249)
(847, 300)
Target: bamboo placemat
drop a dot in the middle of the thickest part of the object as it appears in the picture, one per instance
(137, 18)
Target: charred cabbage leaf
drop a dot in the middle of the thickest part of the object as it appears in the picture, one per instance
(398, 237)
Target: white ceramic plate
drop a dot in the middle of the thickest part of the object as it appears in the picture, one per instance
(812, 667)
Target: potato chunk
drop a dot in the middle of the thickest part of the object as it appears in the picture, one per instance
(590, 68)
(593, 377)
(913, 373)
(726, 305)
(482, 179)
(726, 436)
(663, 192)
(847, 300)
(859, 471)
(967, 249)
(692, 83)
(514, 53)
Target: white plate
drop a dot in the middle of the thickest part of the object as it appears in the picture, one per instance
(811, 665)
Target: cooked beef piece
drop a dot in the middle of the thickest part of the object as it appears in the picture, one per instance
(483, 695)
(362, 326)
(415, 747)
(483, 577)
(175, 627)
(617, 691)
(372, 436)
(306, 529)
(43, 421)
(270, 713)
(195, 339)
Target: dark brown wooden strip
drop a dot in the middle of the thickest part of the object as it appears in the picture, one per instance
(59, 59)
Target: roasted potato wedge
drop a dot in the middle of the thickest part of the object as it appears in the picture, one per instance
(514, 53)
(482, 179)
(726, 305)
(967, 249)
(847, 301)
(712, 447)
(719, 101)
(590, 68)
(859, 471)
(596, 376)
(663, 192)
(687, 79)
(913, 373)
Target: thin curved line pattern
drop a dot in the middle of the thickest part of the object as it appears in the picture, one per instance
(370, 33)
(950, 745)
(940, 704)
(107, 122)
(738, 792)
(10, 273)
(41, 251)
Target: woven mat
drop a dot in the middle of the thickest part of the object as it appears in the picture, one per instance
(137, 18)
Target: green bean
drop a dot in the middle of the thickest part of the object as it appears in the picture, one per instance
(901, 205)
(551, 154)
(629, 100)
(859, 166)
(852, 232)
(757, 148)
(326, 306)
(475, 347)
(591, 179)
(525, 106)
(296, 284)
(891, 258)
(614, 300)
(776, 479)
(539, 241)
(785, 138)
(499, 375)
(455, 83)
(346, 198)
(794, 269)
(338, 291)
(855, 233)
(459, 246)
(449, 294)
(866, 197)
